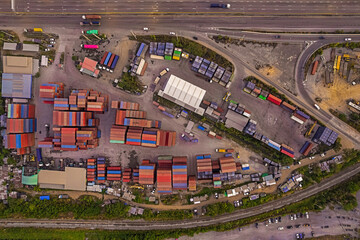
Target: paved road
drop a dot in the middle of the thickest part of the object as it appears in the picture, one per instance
(206, 221)
(269, 7)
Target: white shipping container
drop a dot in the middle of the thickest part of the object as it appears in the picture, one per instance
(297, 120)
(212, 133)
(274, 143)
(141, 65)
(246, 114)
(152, 56)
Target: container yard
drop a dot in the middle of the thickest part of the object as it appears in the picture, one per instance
(147, 172)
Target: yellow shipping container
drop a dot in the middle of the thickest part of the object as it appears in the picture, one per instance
(38, 30)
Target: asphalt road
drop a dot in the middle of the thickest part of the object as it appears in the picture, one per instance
(269, 7)
(191, 223)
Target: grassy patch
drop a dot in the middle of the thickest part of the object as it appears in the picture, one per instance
(188, 46)
(130, 83)
(353, 119)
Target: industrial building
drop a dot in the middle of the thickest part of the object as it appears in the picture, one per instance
(325, 135)
(72, 178)
(16, 85)
(184, 94)
(15, 64)
(235, 120)
(88, 66)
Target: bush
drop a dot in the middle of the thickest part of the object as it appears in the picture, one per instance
(130, 83)
(37, 75)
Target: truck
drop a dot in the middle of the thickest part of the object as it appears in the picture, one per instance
(96, 23)
(201, 128)
(84, 23)
(103, 59)
(219, 5)
(45, 197)
(110, 62)
(186, 137)
(222, 150)
(163, 72)
(107, 60)
(87, 17)
(96, 32)
(87, 46)
(38, 155)
(113, 65)
(36, 41)
(229, 150)
(157, 79)
(63, 196)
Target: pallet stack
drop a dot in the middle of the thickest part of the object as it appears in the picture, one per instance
(164, 185)
(179, 173)
(113, 173)
(101, 170)
(146, 172)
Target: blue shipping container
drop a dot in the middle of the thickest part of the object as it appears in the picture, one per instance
(201, 128)
(47, 197)
(107, 58)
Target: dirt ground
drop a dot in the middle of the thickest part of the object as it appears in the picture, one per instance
(275, 60)
(332, 96)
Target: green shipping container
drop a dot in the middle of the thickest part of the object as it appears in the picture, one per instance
(262, 97)
(168, 57)
(92, 32)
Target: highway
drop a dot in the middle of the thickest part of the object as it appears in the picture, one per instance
(251, 7)
(191, 223)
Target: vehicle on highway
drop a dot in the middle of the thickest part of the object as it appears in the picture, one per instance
(280, 228)
(146, 29)
(321, 37)
(316, 106)
(277, 36)
(219, 5)
(195, 38)
(347, 39)
(172, 33)
(85, 17)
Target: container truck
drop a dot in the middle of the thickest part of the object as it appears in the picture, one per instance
(222, 150)
(110, 62)
(103, 59)
(107, 60)
(91, 32)
(84, 23)
(219, 5)
(113, 65)
(86, 17)
(86, 46)
(163, 72)
(95, 23)
(33, 30)
(185, 137)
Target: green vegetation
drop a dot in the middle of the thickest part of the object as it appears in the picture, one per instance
(188, 46)
(241, 42)
(353, 119)
(170, 199)
(313, 174)
(342, 194)
(220, 208)
(8, 36)
(37, 75)
(130, 83)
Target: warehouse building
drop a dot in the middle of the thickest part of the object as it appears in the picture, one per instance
(15, 64)
(325, 135)
(10, 46)
(88, 66)
(30, 47)
(235, 120)
(16, 85)
(71, 179)
(184, 94)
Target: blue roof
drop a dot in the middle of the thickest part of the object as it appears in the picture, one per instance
(15, 85)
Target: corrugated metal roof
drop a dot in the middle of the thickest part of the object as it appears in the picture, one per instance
(16, 85)
(30, 47)
(10, 46)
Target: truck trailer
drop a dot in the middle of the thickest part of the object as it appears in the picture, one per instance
(87, 17)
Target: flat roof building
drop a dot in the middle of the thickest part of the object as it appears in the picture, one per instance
(235, 120)
(15, 64)
(71, 179)
(30, 47)
(10, 46)
(15, 85)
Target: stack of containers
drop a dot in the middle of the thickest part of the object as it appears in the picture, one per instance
(274, 145)
(51, 90)
(136, 175)
(46, 143)
(192, 183)
(164, 175)
(204, 168)
(113, 173)
(179, 169)
(20, 125)
(101, 170)
(95, 106)
(306, 148)
(24, 140)
(149, 137)
(91, 171)
(120, 116)
(227, 165)
(129, 105)
(61, 104)
(166, 138)
(287, 150)
(127, 175)
(68, 139)
(146, 172)
(21, 111)
(133, 136)
(132, 122)
(117, 134)
(273, 99)
(215, 165)
(73, 119)
(115, 104)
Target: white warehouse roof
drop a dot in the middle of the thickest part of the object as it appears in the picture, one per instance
(184, 92)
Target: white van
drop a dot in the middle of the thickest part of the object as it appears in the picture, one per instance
(317, 106)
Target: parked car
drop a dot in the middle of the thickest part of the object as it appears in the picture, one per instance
(195, 38)
(216, 195)
(146, 29)
(172, 33)
(347, 39)
(307, 215)
(50, 46)
(289, 227)
(297, 225)
(277, 36)
(52, 42)
(280, 228)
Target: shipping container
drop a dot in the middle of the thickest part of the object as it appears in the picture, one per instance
(274, 99)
